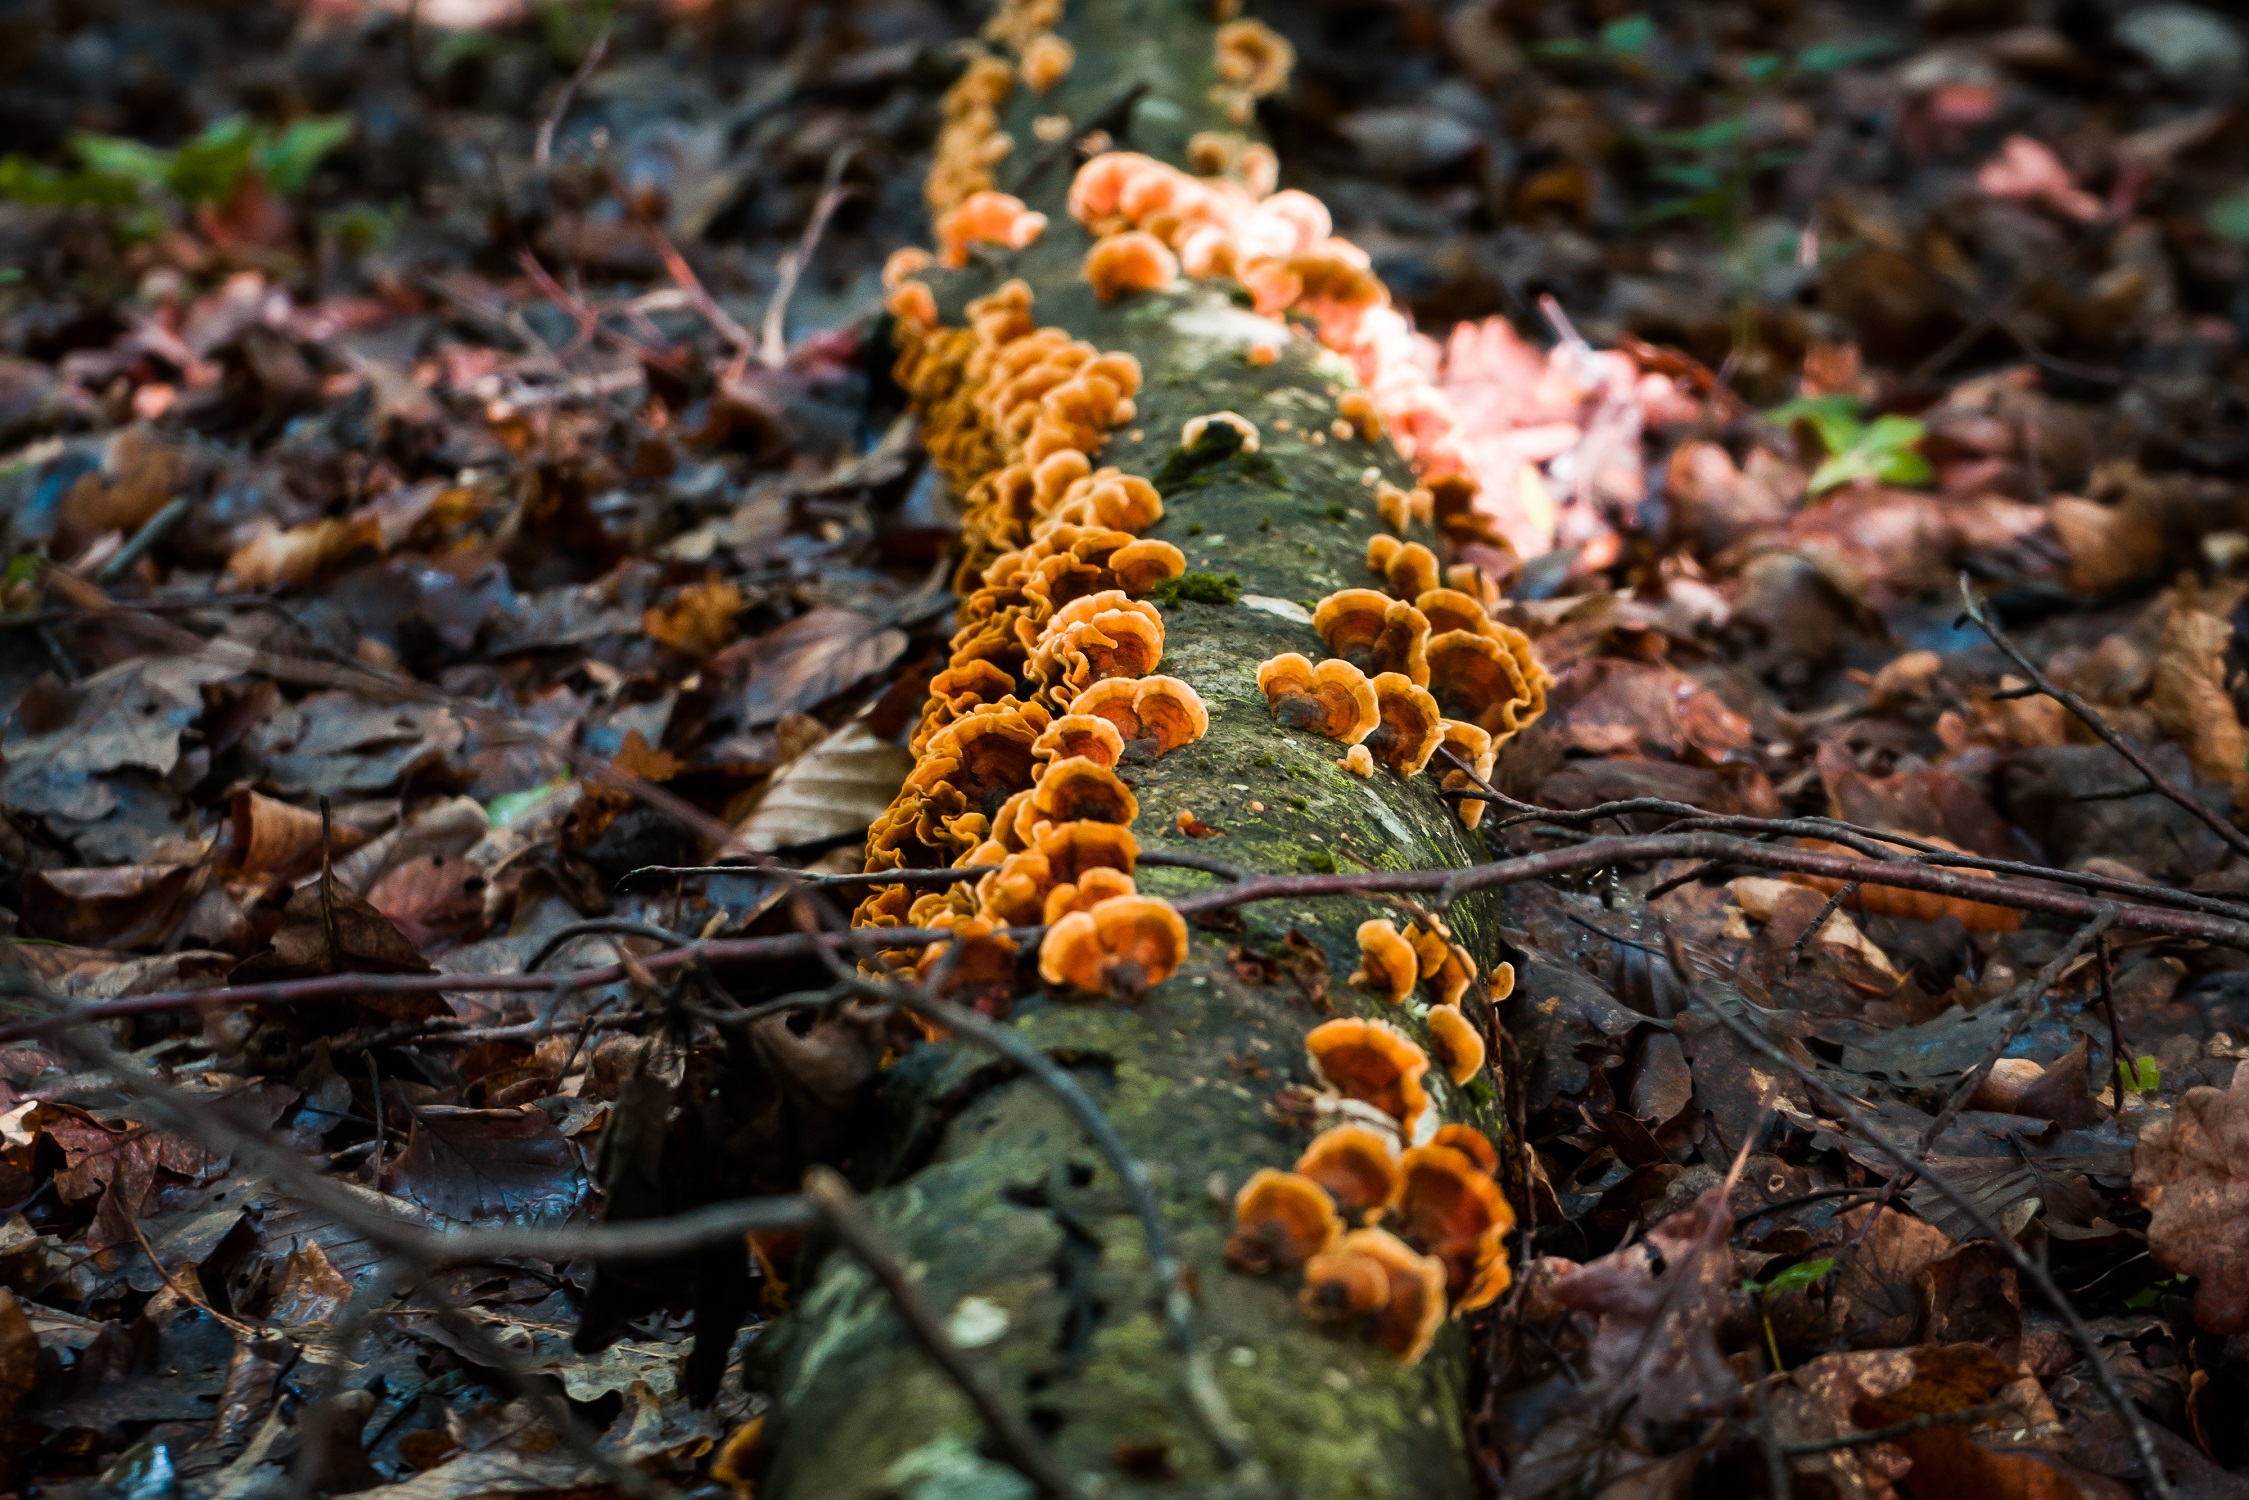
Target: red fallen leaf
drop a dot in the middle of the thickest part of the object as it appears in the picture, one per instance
(2191, 1172)
(431, 898)
(1659, 1303)
(480, 1165)
(1611, 706)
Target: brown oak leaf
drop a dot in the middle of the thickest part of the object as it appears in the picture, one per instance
(2191, 1172)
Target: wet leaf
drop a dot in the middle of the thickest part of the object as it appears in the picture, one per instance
(482, 1165)
(836, 788)
(814, 657)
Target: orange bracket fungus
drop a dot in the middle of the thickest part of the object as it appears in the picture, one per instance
(1357, 1166)
(1376, 1287)
(1377, 1064)
(1387, 964)
(1122, 947)
(1281, 1220)
(1114, 456)
(1333, 698)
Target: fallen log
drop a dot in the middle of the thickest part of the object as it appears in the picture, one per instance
(1203, 614)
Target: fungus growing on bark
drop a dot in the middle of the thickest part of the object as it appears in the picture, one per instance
(1386, 961)
(986, 961)
(959, 691)
(1357, 761)
(1134, 261)
(1455, 1044)
(1374, 632)
(903, 264)
(912, 303)
(988, 751)
(1471, 1143)
(1408, 733)
(1475, 746)
(1408, 568)
(1138, 566)
(1046, 62)
(1252, 60)
(1401, 508)
(969, 140)
(1281, 1220)
(1060, 854)
(1194, 429)
(1153, 714)
(1101, 635)
(1451, 609)
(1125, 502)
(1333, 698)
(1340, 1293)
(1501, 982)
(1443, 962)
(1082, 735)
(1123, 947)
(1450, 1208)
(1480, 679)
(986, 218)
(1357, 1166)
(1083, 894)
(1374, 1063)
(1080, 790)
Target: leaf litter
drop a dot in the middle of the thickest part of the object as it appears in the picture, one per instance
(389, 535)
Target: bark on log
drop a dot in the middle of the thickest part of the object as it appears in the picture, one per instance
(988, 1189)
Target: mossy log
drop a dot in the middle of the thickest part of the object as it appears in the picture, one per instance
(987, 1188)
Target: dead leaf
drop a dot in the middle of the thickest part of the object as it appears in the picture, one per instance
(129, 715)
(431, 898)
(313, 1293)
(120, 906)
(363, 941)
(2191, 1171)
(698, 620)
(480, 1165)
(1876, 1301)
(19, 1356)
(814, 657)
(277, 558)
(1658, 1305)
(836, 788)
(272, 837)
(139, 473)
(2189, 698)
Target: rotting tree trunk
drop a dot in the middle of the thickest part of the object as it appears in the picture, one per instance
(988, 1188)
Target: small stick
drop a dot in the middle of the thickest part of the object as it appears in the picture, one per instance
(773, 347)
(542, 153)
(1843, 893)
(2091, 718)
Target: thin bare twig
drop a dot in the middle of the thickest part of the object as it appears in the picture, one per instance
(773, 346)
(1975, 612)
(1906, 1428)
(542, 150)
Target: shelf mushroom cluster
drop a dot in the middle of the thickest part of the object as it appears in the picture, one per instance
(1397, 686)
(1387, 1240)
(1051, 682)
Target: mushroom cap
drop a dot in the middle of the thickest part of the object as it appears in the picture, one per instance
(1086, 892)
(1408, 733)
(1358, 1166)
(1476, 746)
(1046, 62)
(1386, 961)
(1140, 565)
(986, 960)
(1373, 1062)
(990, 751)
(1192, 431)
(1124, 946)
(1406, 1321)
(1333, 698)
(1075, 789)
(1161, 712)
(1071, 849)
(1015, 893)
(1452, 609)
(1134, 261)
(1357, 761)
(1252, 56)
(1085, 736)
(1471, 1143)
(903, 264)
(1409, 568)
(1374, 632)
(1502, 982)
(1122, 502)
(1451, 1208)
(1344, 1289)
(1455, 1044)
(1480, 680)
(1281, 1220)
(1442, 961)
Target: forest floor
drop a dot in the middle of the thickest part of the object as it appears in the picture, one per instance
(425, 430)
